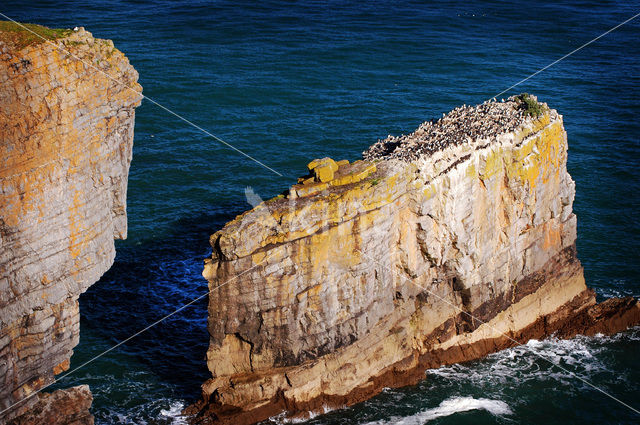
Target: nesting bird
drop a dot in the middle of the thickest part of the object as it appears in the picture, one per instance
(464, 124)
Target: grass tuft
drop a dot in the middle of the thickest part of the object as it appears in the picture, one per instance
(18, 37)
(531, 106)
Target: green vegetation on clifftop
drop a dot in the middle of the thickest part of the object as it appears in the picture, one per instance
(531, 105)
(18, 36)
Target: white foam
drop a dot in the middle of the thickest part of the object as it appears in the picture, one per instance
(581, 355)
(616, 288)
(449, 407)
(174, 413)
(283, 417)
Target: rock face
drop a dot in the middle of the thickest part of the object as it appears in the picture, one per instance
(62, 407)
(457, 241)
(67, 135)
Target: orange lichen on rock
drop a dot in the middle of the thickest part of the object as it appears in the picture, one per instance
(364, 275)
(67, 132)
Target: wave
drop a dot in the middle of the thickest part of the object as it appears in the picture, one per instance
(617, 288)
(498, 377)
(174, 413)
(449, 407)
(282, 418)
(158, 412)
(535, 360)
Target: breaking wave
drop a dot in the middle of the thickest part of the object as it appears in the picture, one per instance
(535, 360)
(449, 407)
(174, 413)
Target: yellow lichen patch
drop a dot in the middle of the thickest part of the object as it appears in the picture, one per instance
(550, 149)
(471, 171)
(309, 188)
(324, 172)
(320, 251)
(526, 172)
(493, 163)
(365, 172)
(525, 149)
(324, 169)
(354, 173)
(537, 124)
(323, 161)
(327, 173)
(305, 180)
(342, 180)
(542, 121)
(538, 156)
(299, 219)
(258, 257)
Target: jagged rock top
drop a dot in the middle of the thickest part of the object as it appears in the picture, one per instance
(464, 124)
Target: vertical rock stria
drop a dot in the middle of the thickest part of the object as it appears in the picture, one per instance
(441, 246)
(67, 135)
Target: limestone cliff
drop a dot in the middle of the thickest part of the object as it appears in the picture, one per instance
(444, 245)
(67, 134)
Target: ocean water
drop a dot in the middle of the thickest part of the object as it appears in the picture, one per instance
(292, 81)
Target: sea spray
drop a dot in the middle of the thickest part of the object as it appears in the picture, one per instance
(449, 407)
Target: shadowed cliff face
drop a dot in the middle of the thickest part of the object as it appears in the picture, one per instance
(67, 135)
(448, 244)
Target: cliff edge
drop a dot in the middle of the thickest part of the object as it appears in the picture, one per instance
(441, 246)
(67, 136)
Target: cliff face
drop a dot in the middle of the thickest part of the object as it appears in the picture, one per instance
(447, 244)
(67, 135)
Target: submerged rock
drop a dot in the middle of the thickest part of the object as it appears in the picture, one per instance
(457, 241)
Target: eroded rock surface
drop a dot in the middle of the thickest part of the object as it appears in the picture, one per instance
(62, 407)
(457, 242)
(66, 130)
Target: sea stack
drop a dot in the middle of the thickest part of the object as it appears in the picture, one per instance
(440, 246)
(67, 104)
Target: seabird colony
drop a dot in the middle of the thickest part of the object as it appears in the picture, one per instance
(463, 124)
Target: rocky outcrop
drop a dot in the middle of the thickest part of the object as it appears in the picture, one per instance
(62, 407)
(66, 125)
(444, 245)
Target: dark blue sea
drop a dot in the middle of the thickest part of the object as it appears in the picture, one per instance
(291, 81)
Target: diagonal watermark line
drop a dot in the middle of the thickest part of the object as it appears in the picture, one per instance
(255, 201)
(175, 114)
(503, 334)
(244, 153)
(279, 174)
(567, 55)
(124, 341)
